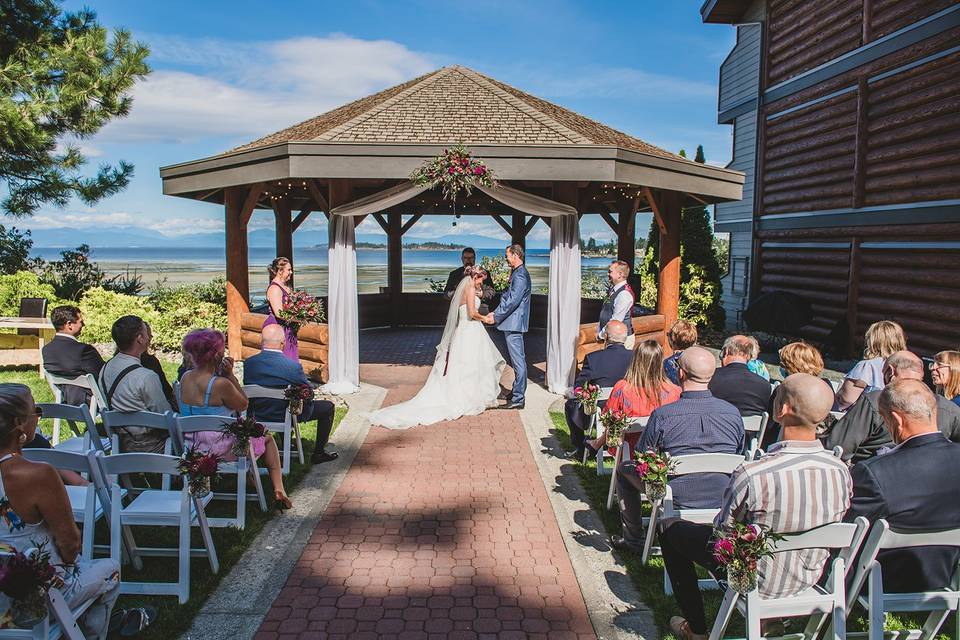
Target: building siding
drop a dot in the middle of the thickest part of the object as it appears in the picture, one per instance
(740, 72)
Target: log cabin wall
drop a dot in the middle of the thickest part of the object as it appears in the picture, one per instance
(857, 189)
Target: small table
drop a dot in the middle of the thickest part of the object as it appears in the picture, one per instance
(42, 325)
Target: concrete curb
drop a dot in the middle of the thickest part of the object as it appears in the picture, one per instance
(613, 603)
(235, 610)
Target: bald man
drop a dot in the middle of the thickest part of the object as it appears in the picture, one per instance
(914, 487)
(861, 432)
(270, 368)
(796, 466)
(696, 423)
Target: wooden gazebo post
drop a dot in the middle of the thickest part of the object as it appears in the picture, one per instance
(284, 229)
(667, 213)
(239, 203)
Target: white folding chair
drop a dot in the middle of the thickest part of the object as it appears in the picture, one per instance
(75, 416)
(64, 622)
(724, 463)
(938, 604)
(115, 421)
(290, 427)
(817, 601)
(241, 468)
(592, 429)
(754, 428)
(623, 454)
(87, 381)
(156, 508)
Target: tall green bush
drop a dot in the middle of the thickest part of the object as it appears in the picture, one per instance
(22, 284)
(101, 308)
(179, 310)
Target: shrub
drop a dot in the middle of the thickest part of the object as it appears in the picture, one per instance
(593, 285)
(22, 284)
(185, 307)
(15, 248)
(499, 270)
(101, 308)
(73, 274)
(436, 286)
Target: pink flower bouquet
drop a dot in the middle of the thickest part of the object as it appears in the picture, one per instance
(301, 308)
(740, 549)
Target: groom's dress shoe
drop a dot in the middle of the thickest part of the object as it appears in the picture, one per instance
(322, 456)
(513, 405)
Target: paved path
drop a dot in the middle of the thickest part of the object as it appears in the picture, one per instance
(443, 531)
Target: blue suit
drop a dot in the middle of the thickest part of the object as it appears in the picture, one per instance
(512, 316)
(274, 370)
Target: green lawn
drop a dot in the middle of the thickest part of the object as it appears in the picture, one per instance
(649, 579)
(175, 619)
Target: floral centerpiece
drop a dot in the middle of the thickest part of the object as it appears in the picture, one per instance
(242, 429)
(587, 396)
(296, 395)
(301, 308)
(614, 422)
(26, 578)
(739, 550)
(454, 171)
(199, 467)
(654, 468)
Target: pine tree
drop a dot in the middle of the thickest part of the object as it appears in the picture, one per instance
(63, 78)
(698, 261)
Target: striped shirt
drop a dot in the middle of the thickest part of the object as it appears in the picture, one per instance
(797, 486)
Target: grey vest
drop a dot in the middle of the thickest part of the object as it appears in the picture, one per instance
(606, 313)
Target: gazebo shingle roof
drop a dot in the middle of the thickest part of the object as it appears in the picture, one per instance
(455, 104)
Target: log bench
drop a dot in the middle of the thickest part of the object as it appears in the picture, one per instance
(313, 343)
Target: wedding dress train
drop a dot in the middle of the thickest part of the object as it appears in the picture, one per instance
(464, 380)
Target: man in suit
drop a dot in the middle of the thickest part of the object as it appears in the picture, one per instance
(861, 432)
(469, 258)
(735, 383)
(270, 368)
(618, 305)
(604, 368)
(512, 316)
(914, 487)
(66, 356)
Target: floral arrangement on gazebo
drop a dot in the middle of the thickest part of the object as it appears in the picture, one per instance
(454, 170)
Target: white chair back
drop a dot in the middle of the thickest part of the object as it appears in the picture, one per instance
(707, 463)
(195, 424)
(113, 421)
(755, 427)
(289, 428)
(74, 417)
(86, 381)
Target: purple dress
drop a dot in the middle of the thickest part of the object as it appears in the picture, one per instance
(290, 349)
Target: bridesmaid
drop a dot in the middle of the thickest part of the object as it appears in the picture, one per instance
(278, 291)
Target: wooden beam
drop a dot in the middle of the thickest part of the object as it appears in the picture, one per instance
(209, 194)
(627, 234)
(250, 203)
(611, 222)
(237, 272)
(409, 223)
(503, 223)
(395, 266)
(284, 228)
(301, 217)
(383, 223)
(357, 220)
(668, 285)
(519, 226)
(317, 195)
(657, 212)
(530, 224)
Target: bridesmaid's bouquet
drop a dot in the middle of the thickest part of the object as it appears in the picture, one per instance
(301, 308)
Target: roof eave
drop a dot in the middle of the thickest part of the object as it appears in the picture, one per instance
(723, 11)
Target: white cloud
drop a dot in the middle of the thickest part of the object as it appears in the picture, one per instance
(249, 89)
(167, 226)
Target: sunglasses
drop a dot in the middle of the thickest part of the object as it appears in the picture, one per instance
(933, 366)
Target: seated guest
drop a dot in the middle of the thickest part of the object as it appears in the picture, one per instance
(618, 305)
(66, 356)
(756, 494)
(643, 389)
(735, 383)
(37, 511)
(945, 370)
(604, 368)
(682, 335)
(151, 362)
(696, 423)
(861, 432)
(882, 339)
(270, 368)
(127, 385)
(914, 487)
(796, 357)
(755, 364)
(211, 388)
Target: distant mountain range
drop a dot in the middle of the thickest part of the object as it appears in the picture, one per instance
(135, 237)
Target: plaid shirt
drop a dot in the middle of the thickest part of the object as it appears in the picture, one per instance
(797, 486)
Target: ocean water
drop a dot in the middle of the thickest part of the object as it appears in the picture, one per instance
(187, 265)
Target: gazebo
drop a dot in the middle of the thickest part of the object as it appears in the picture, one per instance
(554, 166)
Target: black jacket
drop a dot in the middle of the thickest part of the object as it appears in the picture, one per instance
(861, 432)
(742, 388)
(914, 487)
(453, 281)
(605, 367)
(64, 356)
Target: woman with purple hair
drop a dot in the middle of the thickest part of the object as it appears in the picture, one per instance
(211, 388)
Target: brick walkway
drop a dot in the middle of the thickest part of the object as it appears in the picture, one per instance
(443, 531)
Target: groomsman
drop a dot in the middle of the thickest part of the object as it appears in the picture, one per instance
(618, 304)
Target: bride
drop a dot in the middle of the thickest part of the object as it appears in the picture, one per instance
(465, 379)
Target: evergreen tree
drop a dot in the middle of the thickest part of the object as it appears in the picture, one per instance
(63, 78)
(698, 260)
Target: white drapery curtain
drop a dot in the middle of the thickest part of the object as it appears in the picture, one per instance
(563, 302)
(563, 319)
(342, 316)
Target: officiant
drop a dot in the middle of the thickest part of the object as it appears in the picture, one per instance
(469, 258)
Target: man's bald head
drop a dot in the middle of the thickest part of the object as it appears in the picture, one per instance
(271, 336)
(697, 365)
(616, 331)
(902, 365)
(803, 401)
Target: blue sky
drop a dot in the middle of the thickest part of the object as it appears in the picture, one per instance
(225, 73)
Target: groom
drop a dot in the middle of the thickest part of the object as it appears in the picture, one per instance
(512, 316)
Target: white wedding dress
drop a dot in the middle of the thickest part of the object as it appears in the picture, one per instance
(464, 380)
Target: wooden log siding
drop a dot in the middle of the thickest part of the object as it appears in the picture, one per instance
(802, 35)
(313, 341)
(889, 15)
